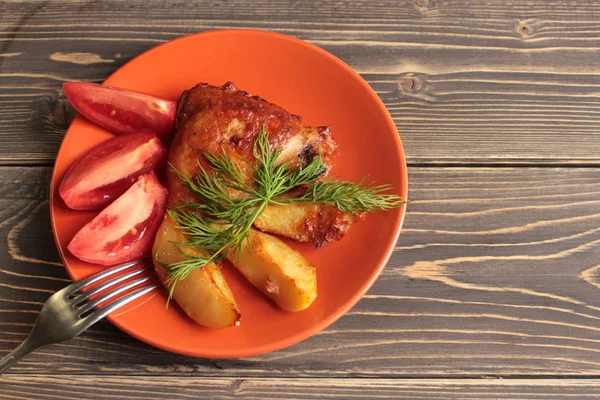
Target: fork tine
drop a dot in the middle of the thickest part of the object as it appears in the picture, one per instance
(101, 299)
(86, 295)
(99, 276)
(121, 301)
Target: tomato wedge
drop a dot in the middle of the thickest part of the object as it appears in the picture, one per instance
(121, 110)
(109, 169)
(125, 230)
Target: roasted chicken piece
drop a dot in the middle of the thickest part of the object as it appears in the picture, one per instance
(211, 119)
(214, 119)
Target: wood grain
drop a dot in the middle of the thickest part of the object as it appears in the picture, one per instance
(496, 274)
(80, 387)
(516, 80)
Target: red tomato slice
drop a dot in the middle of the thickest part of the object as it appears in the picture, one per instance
(120, 110)
(109, 169)
(125, 230)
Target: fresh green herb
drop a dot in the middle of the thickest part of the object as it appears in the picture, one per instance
(220, 221)
(348, 197)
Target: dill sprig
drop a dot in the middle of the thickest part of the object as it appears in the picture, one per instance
(348, 197)
(227, 206)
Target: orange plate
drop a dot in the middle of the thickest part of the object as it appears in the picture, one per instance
(307, 81)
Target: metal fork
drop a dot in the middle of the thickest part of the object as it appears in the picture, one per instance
(70, 311)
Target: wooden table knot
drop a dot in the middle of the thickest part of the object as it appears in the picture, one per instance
(526, 28)
(423, 4)
(411, 84)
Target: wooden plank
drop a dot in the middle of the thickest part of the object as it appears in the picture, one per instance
(516, 80)
(114, 387)
(496, 274)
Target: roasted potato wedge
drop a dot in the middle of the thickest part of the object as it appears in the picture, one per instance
(204, 294)
(310, 223)
(277, 270)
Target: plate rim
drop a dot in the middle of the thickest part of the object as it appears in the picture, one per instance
(323, 323)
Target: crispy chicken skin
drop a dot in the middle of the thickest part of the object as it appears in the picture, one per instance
(214, 119)
(211, 118)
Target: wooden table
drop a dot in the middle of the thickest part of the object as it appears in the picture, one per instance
(494, 289)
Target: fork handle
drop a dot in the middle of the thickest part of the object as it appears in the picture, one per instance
(23, 349)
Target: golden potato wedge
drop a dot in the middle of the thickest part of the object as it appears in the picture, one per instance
(277, 270)
(311, 223)
(204, 294)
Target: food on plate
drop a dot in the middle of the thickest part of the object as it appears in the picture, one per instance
(203, 294)
(312, 223)
(213, 119)
(120, 110)
(107, 170)
(233, 157)
(239, 170)
(277, 270)
(124, 230)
